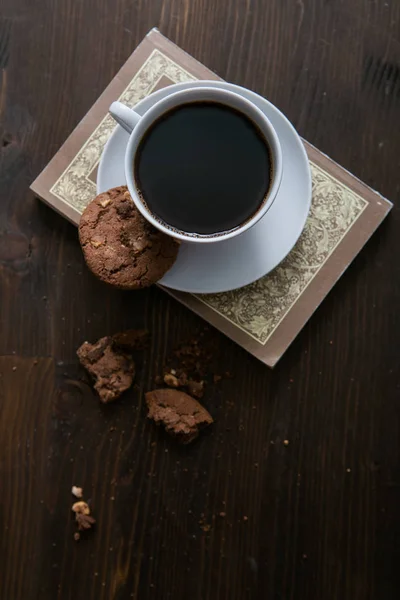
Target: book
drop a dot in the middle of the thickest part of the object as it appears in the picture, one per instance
(265, 316)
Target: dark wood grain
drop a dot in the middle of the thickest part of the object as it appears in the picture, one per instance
(316, 519)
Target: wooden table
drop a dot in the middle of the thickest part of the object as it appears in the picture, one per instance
(315, 519)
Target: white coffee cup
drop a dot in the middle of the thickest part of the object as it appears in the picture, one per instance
(137, 126)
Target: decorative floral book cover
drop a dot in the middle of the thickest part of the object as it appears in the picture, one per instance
(266, 316)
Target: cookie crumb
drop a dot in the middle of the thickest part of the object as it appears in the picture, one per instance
(77, 491)
(286, 442)
(190, 362)
(82, 517)
(81, 508)
(84, 521)
(171, 380)
(195, 388)
(77, 536)
(245, 518)
(131, 339)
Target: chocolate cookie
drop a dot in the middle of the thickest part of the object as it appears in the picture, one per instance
(111, 367)
(120, 246)
(181, 415)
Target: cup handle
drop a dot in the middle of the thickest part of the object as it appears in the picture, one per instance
(126, 117)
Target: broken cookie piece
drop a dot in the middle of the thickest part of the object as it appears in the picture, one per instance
(82, 517)
(111, 367)
(180, 414)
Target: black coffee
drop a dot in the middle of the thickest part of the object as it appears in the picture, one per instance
(203, 168)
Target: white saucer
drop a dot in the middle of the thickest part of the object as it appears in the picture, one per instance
(223, 266)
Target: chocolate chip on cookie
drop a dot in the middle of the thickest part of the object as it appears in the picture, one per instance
(120, 247)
